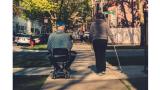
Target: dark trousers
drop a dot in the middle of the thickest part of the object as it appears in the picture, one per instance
(100, 46)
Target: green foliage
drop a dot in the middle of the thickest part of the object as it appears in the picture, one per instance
(37, 9)
(77, 8)
(39, 5)
(56, 9)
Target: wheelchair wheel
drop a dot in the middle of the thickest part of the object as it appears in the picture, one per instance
(53, 75)
(67, 76)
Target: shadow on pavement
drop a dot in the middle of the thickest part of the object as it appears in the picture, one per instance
(34, 82)
(68, 84)
(137, 83)
(132, 64)
(93, 68)
(30, 59)
(33, 59)
(124, 60)
(28, 82)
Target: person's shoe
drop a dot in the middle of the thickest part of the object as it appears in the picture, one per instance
(101, 73)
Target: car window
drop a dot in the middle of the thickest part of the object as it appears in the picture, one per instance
(18, 35)
(25, 35)
(43, 35)
(35, 36)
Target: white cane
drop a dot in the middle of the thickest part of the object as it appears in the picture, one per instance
(119, 64)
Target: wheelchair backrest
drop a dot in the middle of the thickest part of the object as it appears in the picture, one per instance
(59, 51)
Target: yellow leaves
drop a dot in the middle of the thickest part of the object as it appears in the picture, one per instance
(26, 4)
(39, 5)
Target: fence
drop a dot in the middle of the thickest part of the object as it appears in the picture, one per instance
(126, 36)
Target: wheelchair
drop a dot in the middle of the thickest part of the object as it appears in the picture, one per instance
(61, 57)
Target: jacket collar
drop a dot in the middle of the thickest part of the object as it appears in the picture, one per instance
(59, 31)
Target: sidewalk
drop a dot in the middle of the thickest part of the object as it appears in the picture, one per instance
(86, 79)
(83, 76)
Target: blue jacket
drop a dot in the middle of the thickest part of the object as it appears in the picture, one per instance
(59, 39)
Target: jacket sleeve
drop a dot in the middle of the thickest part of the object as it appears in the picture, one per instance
(49, 43)
(91, 32)
(69, 42)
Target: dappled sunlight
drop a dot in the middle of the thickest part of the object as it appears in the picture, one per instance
(124, 26)
(83, 71)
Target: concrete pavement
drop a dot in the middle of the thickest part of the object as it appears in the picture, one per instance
(83, 76)
(86, 79)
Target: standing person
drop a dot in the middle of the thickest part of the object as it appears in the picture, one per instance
(81, 34)
(59, 39)
(99, 32)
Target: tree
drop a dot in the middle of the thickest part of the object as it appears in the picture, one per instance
(16, 10)
(55, 9)
(38, 9)
(140, 4)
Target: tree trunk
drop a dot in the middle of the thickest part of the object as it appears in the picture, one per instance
(140, 4)
(123, 9)
(132, 13)
(53, 21)
(29, 26)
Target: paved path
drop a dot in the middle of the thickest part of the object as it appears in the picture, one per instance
(83, 76)
(86, 79)
(133, 71)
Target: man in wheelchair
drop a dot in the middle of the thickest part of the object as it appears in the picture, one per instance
(59, 46)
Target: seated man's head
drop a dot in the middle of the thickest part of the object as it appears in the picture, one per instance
(61, 25)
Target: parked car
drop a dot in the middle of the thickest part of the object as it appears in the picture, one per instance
(27, 39)
(36, 39)
(23, 39)
(15, 37)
